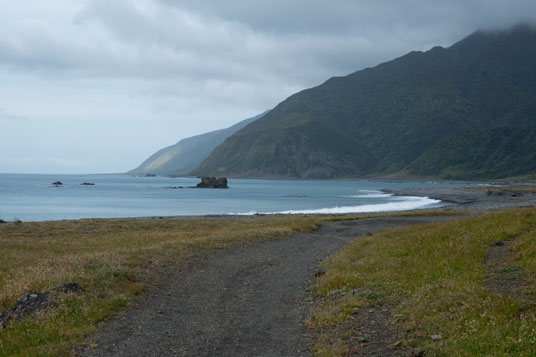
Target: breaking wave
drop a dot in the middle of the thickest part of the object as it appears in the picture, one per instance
(402, 203)
(371, 194)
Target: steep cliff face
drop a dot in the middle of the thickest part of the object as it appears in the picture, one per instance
(187, 154)
(403, 116)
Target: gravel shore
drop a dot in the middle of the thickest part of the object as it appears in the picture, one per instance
(474, 199)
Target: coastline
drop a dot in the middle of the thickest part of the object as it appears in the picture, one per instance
(125, 197)
(122, 261)
(471, 198)
(477, 199)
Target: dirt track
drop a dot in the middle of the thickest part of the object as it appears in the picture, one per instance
(249, 300)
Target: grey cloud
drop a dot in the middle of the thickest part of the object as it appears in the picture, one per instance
(7, 116)
(343, 16)
(184, 43)
(300, 41)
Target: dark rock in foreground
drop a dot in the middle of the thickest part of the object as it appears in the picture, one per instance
(212, 182)
(29, 303)
(32, 302)
(66, 289)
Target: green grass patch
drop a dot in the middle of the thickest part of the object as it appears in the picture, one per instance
(434, 277)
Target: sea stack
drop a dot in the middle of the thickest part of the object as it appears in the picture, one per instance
(212, 182)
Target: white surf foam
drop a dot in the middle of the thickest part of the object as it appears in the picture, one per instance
(371, 194)
(402, 203)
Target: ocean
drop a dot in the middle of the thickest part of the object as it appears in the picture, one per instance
(33, 197)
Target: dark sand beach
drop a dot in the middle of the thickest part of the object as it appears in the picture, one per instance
(478, 199)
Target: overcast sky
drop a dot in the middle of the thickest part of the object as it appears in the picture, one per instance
(96, 86)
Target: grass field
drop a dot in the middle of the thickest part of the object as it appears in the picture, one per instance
(113, 260)
(432, 278)
(437, 281)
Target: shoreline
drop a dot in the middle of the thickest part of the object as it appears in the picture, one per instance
(477, 199)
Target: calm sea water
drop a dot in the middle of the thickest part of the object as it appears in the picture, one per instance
(34, 198)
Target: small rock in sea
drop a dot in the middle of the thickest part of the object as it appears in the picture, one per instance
(87, 184)
(319, 272)
(436, 337)
(57, 183)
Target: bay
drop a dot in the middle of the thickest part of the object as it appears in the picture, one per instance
(33, 197)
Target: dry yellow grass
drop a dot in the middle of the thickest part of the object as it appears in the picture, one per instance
(112, 261)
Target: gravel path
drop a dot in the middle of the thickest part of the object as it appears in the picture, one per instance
(248, 300)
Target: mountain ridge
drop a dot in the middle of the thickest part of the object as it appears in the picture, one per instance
(188, 153)
(383, 120)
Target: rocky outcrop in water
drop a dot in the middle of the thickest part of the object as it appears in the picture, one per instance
(212, 182)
